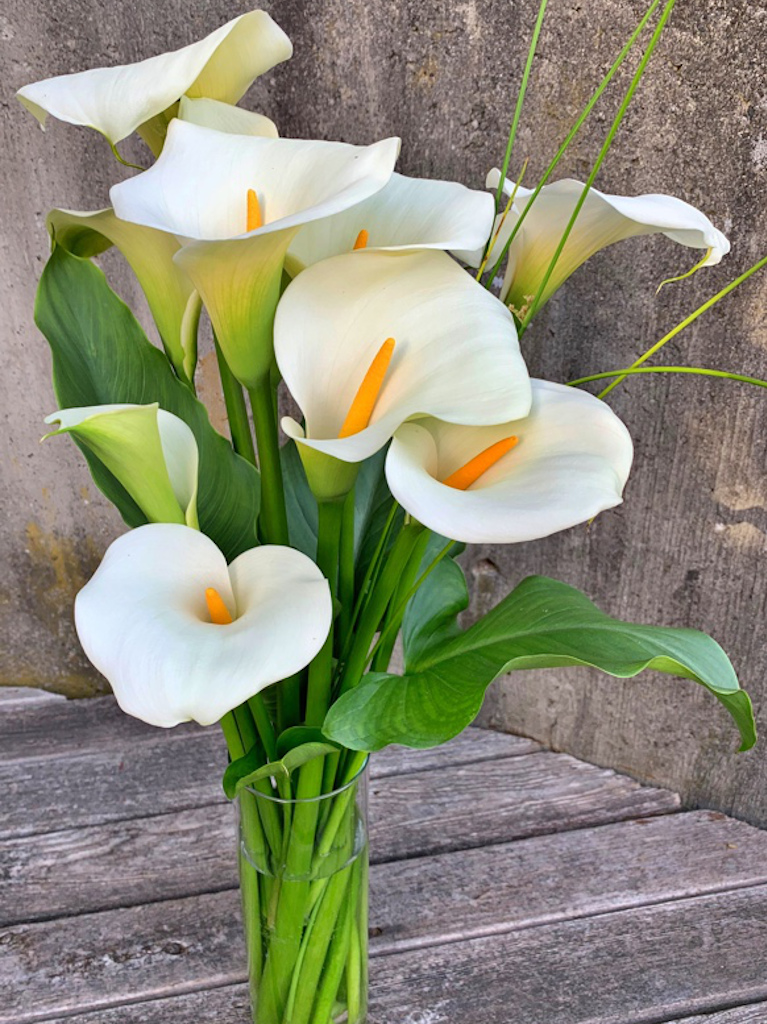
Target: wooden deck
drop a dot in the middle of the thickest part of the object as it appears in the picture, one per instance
(511, 885)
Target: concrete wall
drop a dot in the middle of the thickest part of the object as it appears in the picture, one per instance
(688, 546)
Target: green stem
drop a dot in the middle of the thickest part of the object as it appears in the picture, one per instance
(669, 369)
(378, 602)
(273, 518)
(520, 100)
(346, 570)
(571, 135)
(390, 631)
(382, 651)
(236, 409)
(687, 321)
(330, 515)
(263, 725)
(655, 38)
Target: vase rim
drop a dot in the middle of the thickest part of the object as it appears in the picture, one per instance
(313, 799)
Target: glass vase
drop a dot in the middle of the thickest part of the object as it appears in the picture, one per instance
(304, 883)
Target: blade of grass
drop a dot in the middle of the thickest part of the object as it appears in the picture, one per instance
(687, 321)
(520, 100)
(571, 135)
(668, 369)
(638, 75)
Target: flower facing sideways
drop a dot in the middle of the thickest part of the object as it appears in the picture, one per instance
(151, 452)
(118, 100)
(368, 340)
(560, 465)
(236, 202)
(603, 220)
(180, 635)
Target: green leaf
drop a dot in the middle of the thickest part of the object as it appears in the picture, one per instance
(298, 735)
(248, 769)
(102, 356)
(541, 624)
(300, 503)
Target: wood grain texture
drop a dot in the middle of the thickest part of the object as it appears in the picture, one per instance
(56, 727)
(628, 967)
(176, 853)
(230, 1006)
(631, 967)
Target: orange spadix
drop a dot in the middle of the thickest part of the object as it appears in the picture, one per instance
(364, 402)
(254, 211)
(219, 613)
(471, 471)
(362, 240)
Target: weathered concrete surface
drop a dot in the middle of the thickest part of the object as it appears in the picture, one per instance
(689, 545)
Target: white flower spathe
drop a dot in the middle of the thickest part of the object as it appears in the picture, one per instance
(144, 623)
(603, 220)
(456, 354)
(408, 213)
(198, 191)
(571, 462)
(118, 100)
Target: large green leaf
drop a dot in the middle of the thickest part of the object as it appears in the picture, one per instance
(101, 356)
(541, 624)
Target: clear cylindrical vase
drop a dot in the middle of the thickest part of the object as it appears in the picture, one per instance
(304, 883)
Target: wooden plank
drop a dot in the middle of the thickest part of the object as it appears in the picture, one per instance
(55, 727)
(546, 878)
(754, 1014)
(635, 966)
(413, 815)
(483, 804)
(132, 780)
(230, 1005)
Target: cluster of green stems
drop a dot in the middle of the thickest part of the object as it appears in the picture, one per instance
(310, 939)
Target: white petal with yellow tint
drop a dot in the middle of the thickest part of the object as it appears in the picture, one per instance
(117, 100)
(172, 298)
(408, 213)
(456, 354)
(603, 220)
(143, 622)
(197, 190)
(571, 462)
(225, 117)
(152, 453)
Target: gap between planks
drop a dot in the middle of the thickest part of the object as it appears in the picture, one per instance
(639, 966)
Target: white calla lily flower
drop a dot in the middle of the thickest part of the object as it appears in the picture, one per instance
(367, 340)
(408, 213)
(561, 465)
(236, 202)
(118, 100)
(225, 117)
(181, 635)
(150, 451)
(603, 220)
(172, 298)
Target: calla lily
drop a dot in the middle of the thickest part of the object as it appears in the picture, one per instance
(172, 298)
(603, 219)
(452, 348)
(180, 635)
(237, 202)
(150, 451)
(224, 117)
(408, 213)
(116, 101)
(558, 466)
